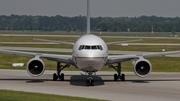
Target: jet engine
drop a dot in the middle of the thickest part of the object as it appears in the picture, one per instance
(35, 67)
(142, 67)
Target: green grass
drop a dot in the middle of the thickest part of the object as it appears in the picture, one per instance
(72, 39)
(113, 47)
(9, 95)
(147, 34)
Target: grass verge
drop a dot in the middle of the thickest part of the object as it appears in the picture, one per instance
(9, 95)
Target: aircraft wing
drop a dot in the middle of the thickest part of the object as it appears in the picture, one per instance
(59, 58)
(122, 58)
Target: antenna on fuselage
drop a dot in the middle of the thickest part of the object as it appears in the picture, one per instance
(88, 17)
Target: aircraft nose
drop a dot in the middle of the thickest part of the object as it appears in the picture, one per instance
(92, 54)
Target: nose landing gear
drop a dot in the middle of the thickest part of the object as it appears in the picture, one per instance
(90, 81)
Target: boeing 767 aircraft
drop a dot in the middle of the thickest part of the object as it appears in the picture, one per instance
(90, 54)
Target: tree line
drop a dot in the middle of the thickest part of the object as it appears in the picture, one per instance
(78, 23)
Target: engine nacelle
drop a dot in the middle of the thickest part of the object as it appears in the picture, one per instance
(142, 67)
(35, 67)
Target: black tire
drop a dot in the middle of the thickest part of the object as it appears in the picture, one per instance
(62, 77)
(123, 77)
(115, 77)
(54, 77)
(92, 83)
(87, 83)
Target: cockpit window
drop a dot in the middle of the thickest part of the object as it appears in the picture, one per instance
(81, 47)
(87, 47)
(93, 47)
(99, 47)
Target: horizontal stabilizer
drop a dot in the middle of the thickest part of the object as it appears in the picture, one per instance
(121, 42)
(53, 41)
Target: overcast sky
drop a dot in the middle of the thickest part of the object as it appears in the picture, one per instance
(104, 8)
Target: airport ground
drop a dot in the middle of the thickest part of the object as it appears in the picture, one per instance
(157, 86)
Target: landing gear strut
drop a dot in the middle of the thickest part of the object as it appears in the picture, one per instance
(90, 81)
(119, 75)
(59, 75)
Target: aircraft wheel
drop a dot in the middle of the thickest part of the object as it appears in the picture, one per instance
(115, 77)
(87, 83)
(62, 77)
(54, 77)
(92, 82)
(123, 77)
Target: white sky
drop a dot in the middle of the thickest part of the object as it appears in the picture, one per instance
(104, 8)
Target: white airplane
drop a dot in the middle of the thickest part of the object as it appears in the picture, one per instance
(90, 54)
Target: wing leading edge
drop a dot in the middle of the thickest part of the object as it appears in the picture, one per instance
(122, 58)
(59, 58)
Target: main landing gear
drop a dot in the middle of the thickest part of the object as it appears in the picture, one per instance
(119, 75)
(90, 81)
(59, 75)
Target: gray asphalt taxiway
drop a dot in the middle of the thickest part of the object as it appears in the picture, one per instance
(156, 87)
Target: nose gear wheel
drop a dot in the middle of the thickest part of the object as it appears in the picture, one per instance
(90, 81)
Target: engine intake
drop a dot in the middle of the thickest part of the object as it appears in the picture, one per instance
(142, 68)
(35, 67)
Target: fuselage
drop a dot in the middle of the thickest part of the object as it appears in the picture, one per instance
(90, 53)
